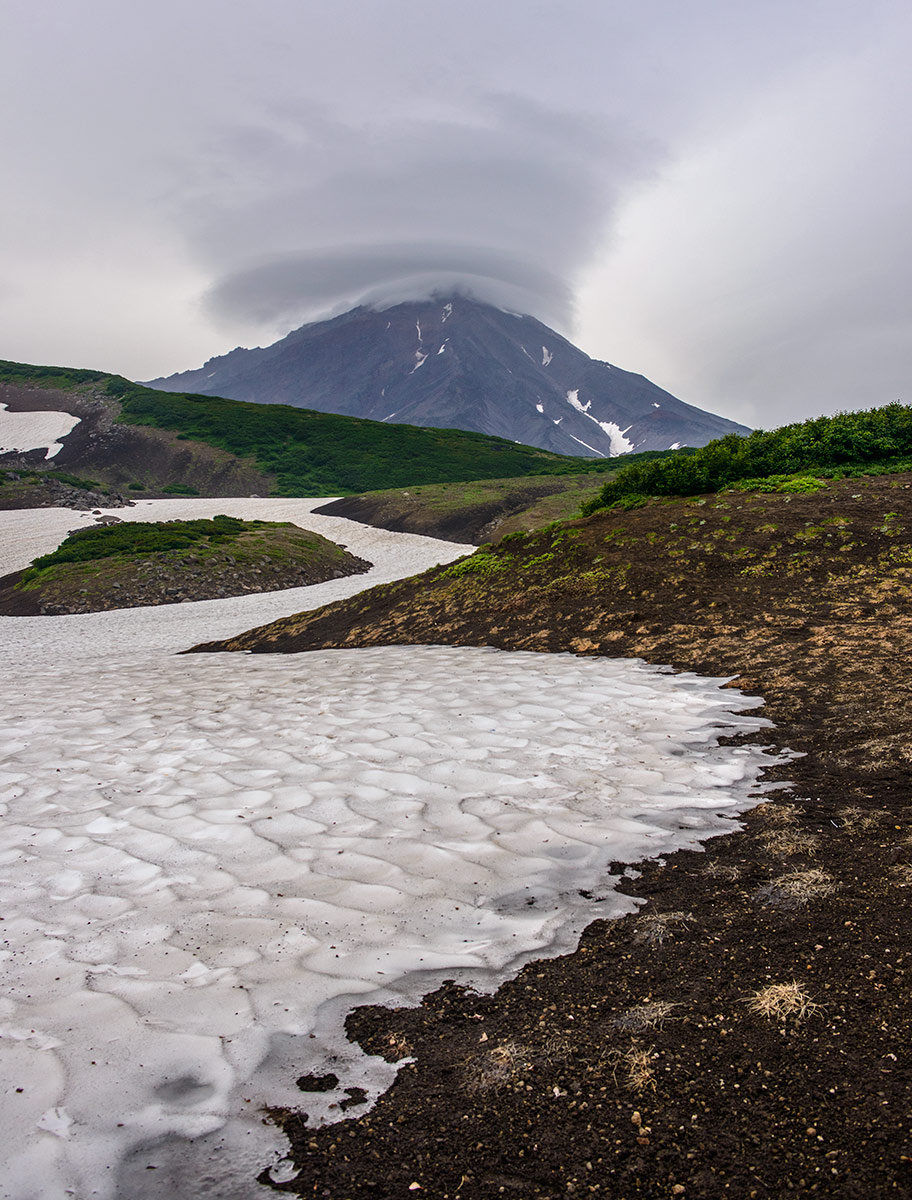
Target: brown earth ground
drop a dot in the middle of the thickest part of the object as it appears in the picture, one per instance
(655, 1061)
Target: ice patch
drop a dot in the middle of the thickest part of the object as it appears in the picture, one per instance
(24, 534)
(546, 356)
(618, 443)
(33, 430)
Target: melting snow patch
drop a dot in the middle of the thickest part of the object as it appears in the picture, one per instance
(619, 443)
(546, 356)
(420, 360)
(33, 430)
(654, 405)
(573, 398)
(675, 446)
(443, 347)
(447, 313)
(540, 408)
(209, 859)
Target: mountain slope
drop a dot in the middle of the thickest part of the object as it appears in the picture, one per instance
(156, 443)
(462, 364)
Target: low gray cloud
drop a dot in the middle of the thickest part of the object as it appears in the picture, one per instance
(281, 290)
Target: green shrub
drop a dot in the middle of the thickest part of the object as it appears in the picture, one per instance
(480, 563)
(843, 443)
(142, 538)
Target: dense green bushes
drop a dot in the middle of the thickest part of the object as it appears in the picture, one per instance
(144, 537)
(831, 445)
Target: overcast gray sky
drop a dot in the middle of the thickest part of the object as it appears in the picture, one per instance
(715, 193)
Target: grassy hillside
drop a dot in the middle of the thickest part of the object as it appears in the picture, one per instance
(314, 453)
(846, 444)
(291, 451)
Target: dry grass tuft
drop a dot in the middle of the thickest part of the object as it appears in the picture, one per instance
(856, 820)
(654, 928)
(796, 889)
(634, 1066)
(721, 870)
(498, 1068)
(779, 1001)
(787, 843)
(775, 814)
(644, 1016)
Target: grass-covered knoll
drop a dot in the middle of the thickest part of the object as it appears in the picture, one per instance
(836, 446)
(138, 538)
(146, 563)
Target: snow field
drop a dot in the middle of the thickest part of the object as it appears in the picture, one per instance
(206, 860)
(32, 430)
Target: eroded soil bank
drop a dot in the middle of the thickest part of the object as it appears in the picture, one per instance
(652, 1061)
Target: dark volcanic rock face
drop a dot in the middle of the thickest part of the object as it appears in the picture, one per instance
(464, 365)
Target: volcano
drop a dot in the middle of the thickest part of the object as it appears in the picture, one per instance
(457, 363)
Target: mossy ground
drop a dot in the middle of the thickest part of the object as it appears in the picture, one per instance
(547, 1088)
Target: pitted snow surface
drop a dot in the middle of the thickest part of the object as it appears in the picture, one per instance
(207, 860)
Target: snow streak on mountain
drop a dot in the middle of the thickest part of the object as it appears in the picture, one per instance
(457, 363)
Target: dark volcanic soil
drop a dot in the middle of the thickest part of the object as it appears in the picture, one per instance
(653, 1062)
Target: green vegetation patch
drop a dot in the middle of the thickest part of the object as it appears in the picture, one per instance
(67, 378)
(314, 453)
(873, 441)
(136, 539)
